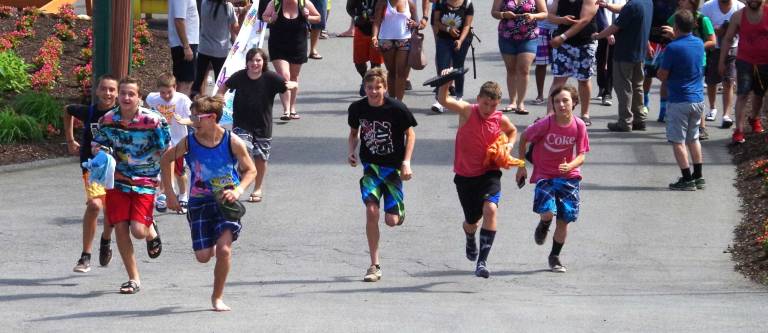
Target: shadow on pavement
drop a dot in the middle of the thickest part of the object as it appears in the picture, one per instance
(23, 297)
(471, 273)
(170, 310)
(40, 282)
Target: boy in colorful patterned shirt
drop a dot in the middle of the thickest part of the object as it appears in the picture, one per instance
(138, 137)
(212, 154)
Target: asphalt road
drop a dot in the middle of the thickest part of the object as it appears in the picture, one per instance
(640, 258)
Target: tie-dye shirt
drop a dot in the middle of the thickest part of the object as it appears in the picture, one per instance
(212, 168)
(137, 146)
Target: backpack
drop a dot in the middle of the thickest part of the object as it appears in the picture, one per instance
(280, 2)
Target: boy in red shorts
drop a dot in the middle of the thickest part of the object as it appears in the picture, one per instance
(362, 47)
(138, 137)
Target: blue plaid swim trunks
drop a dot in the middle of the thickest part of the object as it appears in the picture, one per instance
(543, 50)
(559, 196)
(206, 224)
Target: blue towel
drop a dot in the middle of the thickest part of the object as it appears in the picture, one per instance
(101, 169)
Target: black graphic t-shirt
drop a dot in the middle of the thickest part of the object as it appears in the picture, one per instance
(90, 118)
(382, 130)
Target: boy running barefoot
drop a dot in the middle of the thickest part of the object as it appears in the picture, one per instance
(385, 125)
(174, 106)
(561, 142)
(138, 138)
(478, 184)
(212, 154)
(106, 92)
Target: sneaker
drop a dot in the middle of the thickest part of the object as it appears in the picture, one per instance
(539, 101)
(481, 270)
(727, 122)
(408, 85)
(616, 127)
(738, 137)
(437, 108)
(160, 204)
(105, 252)
(757, 127)
(555, 265)
(700, 183)
(83, 265)
(184, 206)
(683, 185)
(606, 100)
(711, 115)
(703, 134)
(638, 126)
(540, 235)
(373, 274)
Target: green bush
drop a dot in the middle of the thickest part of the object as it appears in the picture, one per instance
(44, 108)
(13, 73)
(16, 128)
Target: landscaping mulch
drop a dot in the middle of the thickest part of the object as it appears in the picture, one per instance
(68, 91)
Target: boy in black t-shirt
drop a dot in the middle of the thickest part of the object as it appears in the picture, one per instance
(106, 92)
(255, 90)
(385, 126)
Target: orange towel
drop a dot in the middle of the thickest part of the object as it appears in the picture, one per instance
(498, 154)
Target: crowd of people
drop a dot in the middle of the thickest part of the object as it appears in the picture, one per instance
(206, 168)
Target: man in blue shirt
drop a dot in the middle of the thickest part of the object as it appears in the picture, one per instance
(631, 30)
(683, 72)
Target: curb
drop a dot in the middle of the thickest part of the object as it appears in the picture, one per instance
(38, 164)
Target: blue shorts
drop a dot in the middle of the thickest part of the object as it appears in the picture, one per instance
(383, 181)
(559, 196)
(206, 224)
(321, 6)
(515, 47)
(577, 62)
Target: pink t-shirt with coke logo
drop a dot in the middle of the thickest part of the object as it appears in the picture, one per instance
(555, 143)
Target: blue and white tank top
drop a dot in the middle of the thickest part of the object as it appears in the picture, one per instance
(212, 168)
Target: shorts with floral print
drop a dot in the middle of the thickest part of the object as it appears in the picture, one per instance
(577, 62)
(396, 44)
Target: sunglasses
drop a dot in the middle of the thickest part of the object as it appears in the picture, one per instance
(197, 117)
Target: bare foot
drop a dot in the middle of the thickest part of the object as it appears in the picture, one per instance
(219, 306)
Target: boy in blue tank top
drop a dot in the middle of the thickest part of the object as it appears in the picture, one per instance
(212, 155)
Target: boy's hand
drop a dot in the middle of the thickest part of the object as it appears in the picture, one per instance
(520, 177)
(230, 195)
(668, 32)
(352, 160)
(405, 171)
(564, 167)
(73, 147)
(172, 202)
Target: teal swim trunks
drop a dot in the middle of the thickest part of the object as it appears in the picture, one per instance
(378, 181)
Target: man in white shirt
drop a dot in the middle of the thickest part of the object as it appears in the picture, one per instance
(720, 12)
(183, 38)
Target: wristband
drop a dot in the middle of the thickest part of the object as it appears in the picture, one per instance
(564, 37)
(406, 162)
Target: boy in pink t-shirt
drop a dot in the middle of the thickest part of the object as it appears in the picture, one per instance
(561, 142)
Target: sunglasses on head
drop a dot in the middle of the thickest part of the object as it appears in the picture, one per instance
(197, 117)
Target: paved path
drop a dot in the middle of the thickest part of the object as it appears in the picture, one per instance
(641, 258)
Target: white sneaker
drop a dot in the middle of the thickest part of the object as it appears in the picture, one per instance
(711, 115)
(373, 274)
(727, 122)
(437, 108)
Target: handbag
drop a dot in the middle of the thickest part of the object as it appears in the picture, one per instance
(416, 57)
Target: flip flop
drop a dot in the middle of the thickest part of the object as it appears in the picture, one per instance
(155, 245)
(509, 109)
(521, 111)
(295, 116)
(255, 197)
(315, 56)
(286, 116)
(586, 120)
(130, 287)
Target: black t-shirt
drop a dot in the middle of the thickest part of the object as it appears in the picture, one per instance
(252, 107)
(382, 130)
(81, 112)
(362, 13)
(454, 17)
(573, 7)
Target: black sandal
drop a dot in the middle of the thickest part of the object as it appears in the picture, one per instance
(130, 287)
(155, 245)
(105, 252)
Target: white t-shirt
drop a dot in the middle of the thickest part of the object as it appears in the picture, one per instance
(179, 104)
(712, 10)
(187, 10)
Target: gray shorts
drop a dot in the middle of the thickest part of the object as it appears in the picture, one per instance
(683, 120)
(257, 147)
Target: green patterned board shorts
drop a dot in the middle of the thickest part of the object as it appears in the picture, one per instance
(378, 181)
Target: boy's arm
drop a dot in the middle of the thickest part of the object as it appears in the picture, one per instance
(461, 107)
(426, 5)
(410, 142)
(72, 144)
(167, 163)
(510, 130)
(352, 141)
(566, 166)
(246, 167)
(522, 173)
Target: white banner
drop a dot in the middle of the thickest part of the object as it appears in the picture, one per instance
(251, 35)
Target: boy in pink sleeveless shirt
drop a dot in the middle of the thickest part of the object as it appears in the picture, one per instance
(561, 143)
(478, 186)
